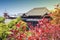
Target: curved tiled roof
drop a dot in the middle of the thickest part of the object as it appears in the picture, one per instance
(37, 11)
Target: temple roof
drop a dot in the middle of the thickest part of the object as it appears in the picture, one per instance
(37, 11)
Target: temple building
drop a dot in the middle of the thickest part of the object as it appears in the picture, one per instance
(8, 18)
(35, 14)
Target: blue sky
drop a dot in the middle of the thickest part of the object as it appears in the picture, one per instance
(22, 6)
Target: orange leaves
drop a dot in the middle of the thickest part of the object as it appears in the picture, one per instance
(56, 16)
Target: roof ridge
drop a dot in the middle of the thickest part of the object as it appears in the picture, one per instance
(39, 7)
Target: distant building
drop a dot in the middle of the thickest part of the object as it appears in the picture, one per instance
(8, 18)
(6, 15)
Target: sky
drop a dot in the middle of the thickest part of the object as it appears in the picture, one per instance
(13, 7)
